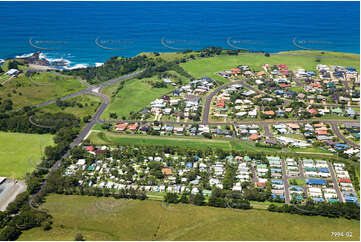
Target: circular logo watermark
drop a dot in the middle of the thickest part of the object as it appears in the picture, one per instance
(47, 122)
(35, 206)
(34, 165)
(111, 205)
(113, 44)
(243, 44)
(46, 44)
(172, 207)
(31, 79)
(306, 44)
(179, 44)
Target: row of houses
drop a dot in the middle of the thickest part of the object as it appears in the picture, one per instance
(318, 168)
(345, 183)
(292, 168)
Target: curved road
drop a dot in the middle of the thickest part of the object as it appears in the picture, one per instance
(337, 132)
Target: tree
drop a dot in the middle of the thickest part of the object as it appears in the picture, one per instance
(79, 237)
(10, 232)
(13, 65)
(184, 198)
(171, 198)
(198, 199)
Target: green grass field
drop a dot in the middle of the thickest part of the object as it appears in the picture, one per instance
(210, 66)
(147, 220)
(17, 148)
(323, 53)
(135, 95)
(41, 87)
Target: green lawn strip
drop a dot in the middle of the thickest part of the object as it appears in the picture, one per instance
(105, 138)
(111, 138)
(147, 220)
(26, 91)
(323, 53)
(14, 158)
(315, 150)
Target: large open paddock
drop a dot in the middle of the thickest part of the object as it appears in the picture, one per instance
(17, 148)
(147, 220)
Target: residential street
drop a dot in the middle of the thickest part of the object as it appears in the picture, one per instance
(335, 182)
(285, 182)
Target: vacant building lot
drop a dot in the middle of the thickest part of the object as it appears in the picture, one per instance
(17, 148)
(135, 95)
(147, 220)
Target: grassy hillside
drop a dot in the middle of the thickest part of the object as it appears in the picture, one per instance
(14, 158)
(26, 91)
(95, 219)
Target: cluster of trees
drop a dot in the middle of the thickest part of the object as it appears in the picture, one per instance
(331, 210)
(65, 104)
(112, 68)
(120, 87)
(219, 198)
(19, 216)
(158, 84)
(27, 120)
(197, 199)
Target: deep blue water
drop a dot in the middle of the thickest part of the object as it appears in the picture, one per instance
(70, 29)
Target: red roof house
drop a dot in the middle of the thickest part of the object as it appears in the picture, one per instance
(133, 127)
(312, 111)
(254, 137)
(121, 127)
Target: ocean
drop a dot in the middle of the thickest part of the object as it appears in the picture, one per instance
(87, 33)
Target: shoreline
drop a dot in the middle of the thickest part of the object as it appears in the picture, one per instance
(41, 57)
